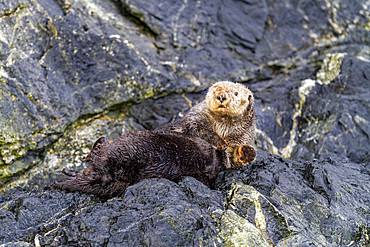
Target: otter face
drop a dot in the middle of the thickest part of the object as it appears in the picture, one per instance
(229, 98)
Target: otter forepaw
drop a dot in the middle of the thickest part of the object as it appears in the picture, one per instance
(246, 154)
(221, 147)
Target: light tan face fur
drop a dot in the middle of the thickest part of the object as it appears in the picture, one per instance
(228, 98)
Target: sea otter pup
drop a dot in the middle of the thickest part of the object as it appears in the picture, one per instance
(227, 113)
(143, 154)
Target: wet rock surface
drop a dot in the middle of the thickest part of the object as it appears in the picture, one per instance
(72, 71)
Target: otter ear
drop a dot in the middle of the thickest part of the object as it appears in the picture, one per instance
(250, 99)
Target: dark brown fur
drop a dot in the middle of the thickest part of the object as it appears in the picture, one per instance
(143, 154)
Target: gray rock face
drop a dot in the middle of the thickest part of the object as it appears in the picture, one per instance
(72, 71)
(275, 201)
(340, 114)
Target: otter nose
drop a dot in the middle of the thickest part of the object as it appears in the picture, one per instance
(221, 97)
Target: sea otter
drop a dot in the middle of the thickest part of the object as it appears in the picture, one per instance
(227, 113)
(144, 154)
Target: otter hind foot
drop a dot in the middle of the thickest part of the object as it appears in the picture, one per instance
(69, 172)
(74, 184)
(247, 154)
(85, 184)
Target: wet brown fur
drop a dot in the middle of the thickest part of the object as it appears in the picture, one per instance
(224, 119)
(143, 154)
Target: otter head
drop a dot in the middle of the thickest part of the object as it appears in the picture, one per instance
(229, 98)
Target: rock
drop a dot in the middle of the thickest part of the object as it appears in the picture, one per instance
(72, 71)
(275, 201)
(332, 195)
(337, 123)
(71, 60)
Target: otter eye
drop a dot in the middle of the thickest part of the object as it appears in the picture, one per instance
(236, 93)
